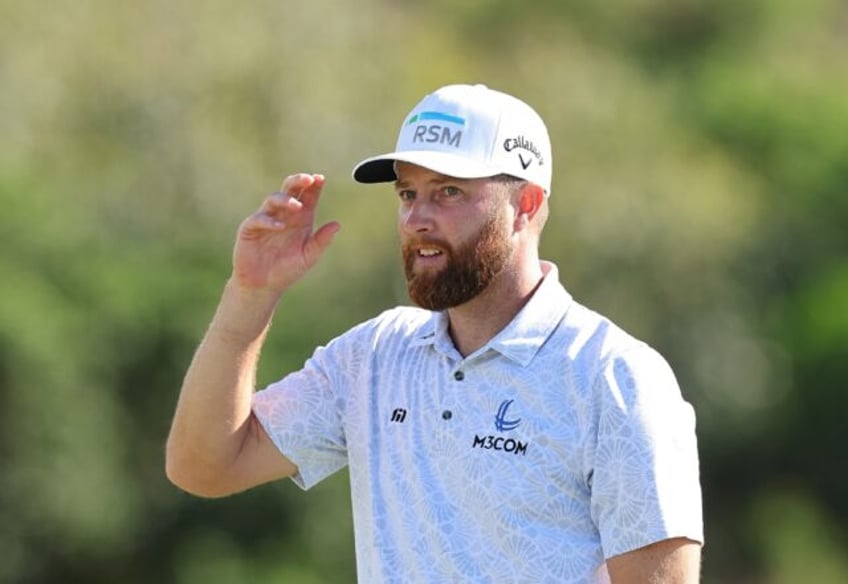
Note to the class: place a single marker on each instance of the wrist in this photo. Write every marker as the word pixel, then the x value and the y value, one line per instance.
pixel 245 313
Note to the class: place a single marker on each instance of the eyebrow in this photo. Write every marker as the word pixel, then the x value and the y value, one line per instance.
pixel 433 181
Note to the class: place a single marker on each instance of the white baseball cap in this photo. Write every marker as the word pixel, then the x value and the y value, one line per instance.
pixel 468 131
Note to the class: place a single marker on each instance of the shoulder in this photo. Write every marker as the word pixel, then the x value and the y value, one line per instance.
pixel 401 320
pixel 594 340
pixel 394 325
pixel 612 359
pixel 378 339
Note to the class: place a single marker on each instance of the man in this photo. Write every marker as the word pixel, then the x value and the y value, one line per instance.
pixel 499 433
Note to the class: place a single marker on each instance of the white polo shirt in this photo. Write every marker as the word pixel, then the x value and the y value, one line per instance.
pixel 561 442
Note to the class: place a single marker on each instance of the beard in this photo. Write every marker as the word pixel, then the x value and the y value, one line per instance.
pixel 470 268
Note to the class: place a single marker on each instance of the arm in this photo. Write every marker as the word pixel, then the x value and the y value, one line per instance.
pixel 671 561
pixel 216 446
pixel 646 495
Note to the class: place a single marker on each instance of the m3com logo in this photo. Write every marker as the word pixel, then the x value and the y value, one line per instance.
pixel 501 423
pixel 502 443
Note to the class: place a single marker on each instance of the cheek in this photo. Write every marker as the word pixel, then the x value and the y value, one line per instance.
pixel 402 215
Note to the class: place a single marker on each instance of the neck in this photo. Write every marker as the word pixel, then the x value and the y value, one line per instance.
pixel 476 322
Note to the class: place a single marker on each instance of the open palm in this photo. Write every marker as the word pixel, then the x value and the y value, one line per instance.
pixel 278 244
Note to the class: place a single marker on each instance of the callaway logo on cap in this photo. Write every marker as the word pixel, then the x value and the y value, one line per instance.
pixel 468 131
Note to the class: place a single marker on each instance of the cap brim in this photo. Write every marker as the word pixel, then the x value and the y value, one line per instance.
pixel 378 169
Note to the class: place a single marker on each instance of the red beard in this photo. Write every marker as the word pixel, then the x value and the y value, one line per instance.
pixel 469 270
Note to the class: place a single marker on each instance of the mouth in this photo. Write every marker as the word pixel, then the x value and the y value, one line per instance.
pixel 425 257
pixel 428 252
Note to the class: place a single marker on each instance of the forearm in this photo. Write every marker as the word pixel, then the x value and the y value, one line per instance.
pixel 671 561
pixel 214 408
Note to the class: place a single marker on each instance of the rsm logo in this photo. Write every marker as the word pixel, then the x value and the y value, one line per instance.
pixel 444 129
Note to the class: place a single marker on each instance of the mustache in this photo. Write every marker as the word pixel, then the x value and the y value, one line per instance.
pixel 425 241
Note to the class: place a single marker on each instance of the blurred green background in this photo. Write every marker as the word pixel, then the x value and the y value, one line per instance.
pixel 701 170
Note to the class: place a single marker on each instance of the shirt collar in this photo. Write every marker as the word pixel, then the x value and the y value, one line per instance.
pixel 522 338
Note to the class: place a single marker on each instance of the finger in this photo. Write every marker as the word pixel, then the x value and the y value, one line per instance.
pixel 294 184
pixel 321 239
pixel 278 201
pixel 310 193
pixel 283 205
pixel 261 222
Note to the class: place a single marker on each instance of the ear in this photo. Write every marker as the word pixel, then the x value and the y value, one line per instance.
pixel 530 200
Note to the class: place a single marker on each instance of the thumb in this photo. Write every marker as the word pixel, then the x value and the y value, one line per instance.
pixel 321 240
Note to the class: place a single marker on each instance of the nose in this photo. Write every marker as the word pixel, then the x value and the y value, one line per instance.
pixel 416 217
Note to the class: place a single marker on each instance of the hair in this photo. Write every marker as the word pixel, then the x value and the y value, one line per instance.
pixel 510 185
pixel 508 179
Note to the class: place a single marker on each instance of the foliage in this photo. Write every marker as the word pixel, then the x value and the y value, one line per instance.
pixel 699 200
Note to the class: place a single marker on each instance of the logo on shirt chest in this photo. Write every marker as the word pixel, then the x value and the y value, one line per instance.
pixel 399 415
pixel 504 422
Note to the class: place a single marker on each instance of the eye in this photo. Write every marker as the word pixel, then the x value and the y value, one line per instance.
pixel 406 195
pixel 451 191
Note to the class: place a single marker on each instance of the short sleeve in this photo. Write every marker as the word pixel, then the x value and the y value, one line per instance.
pixel 645 484
pixel 301 414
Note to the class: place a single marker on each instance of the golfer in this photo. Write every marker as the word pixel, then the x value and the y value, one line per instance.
pixel 498 431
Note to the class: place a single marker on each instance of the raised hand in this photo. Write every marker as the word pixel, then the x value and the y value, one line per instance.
pixel 278 244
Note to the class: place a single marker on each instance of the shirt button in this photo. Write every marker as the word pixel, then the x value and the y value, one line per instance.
pixel 447 415
pixel 459 375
